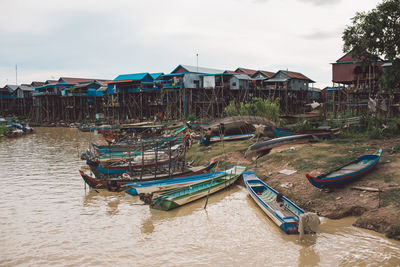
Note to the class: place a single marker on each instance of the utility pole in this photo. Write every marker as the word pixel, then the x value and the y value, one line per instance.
pixel 16 74
pixel 197 57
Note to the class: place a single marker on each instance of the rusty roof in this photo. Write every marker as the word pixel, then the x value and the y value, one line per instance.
pixel 296 75
pixel 37 84
pixel 249 72
pixel 70 80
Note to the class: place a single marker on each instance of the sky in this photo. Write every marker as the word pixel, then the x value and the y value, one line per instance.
pixel 48 39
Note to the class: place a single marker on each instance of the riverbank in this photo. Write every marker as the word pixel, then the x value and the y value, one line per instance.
pixel 376 211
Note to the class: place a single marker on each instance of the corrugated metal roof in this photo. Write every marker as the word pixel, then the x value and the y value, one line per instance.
pixel 241 76
pixel 249 72
pixel 11 88
pixel 156 75
pixel 36 84
pixel 51 81
pixel 70 80
pixel 133 76
pixel 276 80
pixel 199 69
pixel 25 88
pixel 296 75
pixel 267 73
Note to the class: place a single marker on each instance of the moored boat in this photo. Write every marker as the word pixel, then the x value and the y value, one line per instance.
pixel 348 172
pixel 322 133
pixel 168 184
pixel 101 181
pixel 176 198
pixel 283 212
pixel 262 148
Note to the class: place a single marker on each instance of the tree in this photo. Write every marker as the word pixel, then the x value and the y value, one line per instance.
pixel 377 34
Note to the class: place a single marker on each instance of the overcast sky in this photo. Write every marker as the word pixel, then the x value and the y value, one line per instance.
pixel 49 39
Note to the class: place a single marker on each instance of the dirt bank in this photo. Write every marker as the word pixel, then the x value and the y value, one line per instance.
pixel 377 211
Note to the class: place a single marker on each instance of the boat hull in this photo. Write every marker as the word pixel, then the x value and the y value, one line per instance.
pixel 177 198
pixel 339 176
pixel 168 184
pixel 95 182
pixel 287 220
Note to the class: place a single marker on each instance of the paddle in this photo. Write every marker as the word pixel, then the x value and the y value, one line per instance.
pixel 209 188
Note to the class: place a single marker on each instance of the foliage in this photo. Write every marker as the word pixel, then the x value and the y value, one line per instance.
pixel 371 127
pixel 376 34
pixel 231 109
pixel 258 107
pixel 191 117
pixel 2 129
pixel 303 126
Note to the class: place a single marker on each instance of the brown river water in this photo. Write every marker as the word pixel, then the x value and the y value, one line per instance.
pixel 47 217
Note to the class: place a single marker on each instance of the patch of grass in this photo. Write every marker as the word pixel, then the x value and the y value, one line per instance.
pixel 391 196
pixel 387 178
pixel 202 154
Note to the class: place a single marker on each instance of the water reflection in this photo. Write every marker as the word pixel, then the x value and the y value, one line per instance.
pixel 159 216
pixel 308 256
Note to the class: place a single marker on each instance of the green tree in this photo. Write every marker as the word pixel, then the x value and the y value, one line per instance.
pixel 377 34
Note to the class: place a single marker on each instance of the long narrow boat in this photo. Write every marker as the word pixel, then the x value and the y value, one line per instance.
pixel 264 147
pixel 232 137
pixel 348 172
pixel 279 209
pixel 323 133
pixel 176 198
pixel 101 182
pixel 169 184
pixel 138 146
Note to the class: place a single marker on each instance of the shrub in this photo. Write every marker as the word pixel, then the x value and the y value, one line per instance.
pixel 258 107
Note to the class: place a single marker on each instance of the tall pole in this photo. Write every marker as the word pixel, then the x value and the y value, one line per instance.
pixel 16 74
pixel 197 62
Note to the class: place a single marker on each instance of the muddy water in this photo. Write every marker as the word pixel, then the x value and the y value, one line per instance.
pixel 48 218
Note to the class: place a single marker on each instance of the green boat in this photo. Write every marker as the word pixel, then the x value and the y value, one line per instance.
pixel 176 198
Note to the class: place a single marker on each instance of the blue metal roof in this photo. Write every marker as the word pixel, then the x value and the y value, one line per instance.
pixel 156 75
pixel 134 76
pixel 174 74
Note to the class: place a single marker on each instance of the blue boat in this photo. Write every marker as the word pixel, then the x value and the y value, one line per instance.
pixel 348 172
pixel 281 210
pixel 168 184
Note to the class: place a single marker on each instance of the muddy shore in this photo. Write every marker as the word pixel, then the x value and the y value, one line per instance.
pixel 378 211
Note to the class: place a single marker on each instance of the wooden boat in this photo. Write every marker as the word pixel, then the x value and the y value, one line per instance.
pixel 139 163
pixel 347 173
pixel 323 133
pixel 232 137
pixel 237 124
pixel 262 148
pixel 169 184
pixel 101 182
pixel 279 209
pixel 176 198
pixel 131 146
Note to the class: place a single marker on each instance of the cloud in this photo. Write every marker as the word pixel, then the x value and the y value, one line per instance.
pixel 322 2
pixel 322 35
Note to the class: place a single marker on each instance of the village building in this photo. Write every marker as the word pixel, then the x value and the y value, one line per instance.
pixel 133 96
pixel 354 82
pixel 291 88
pixel 7 96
